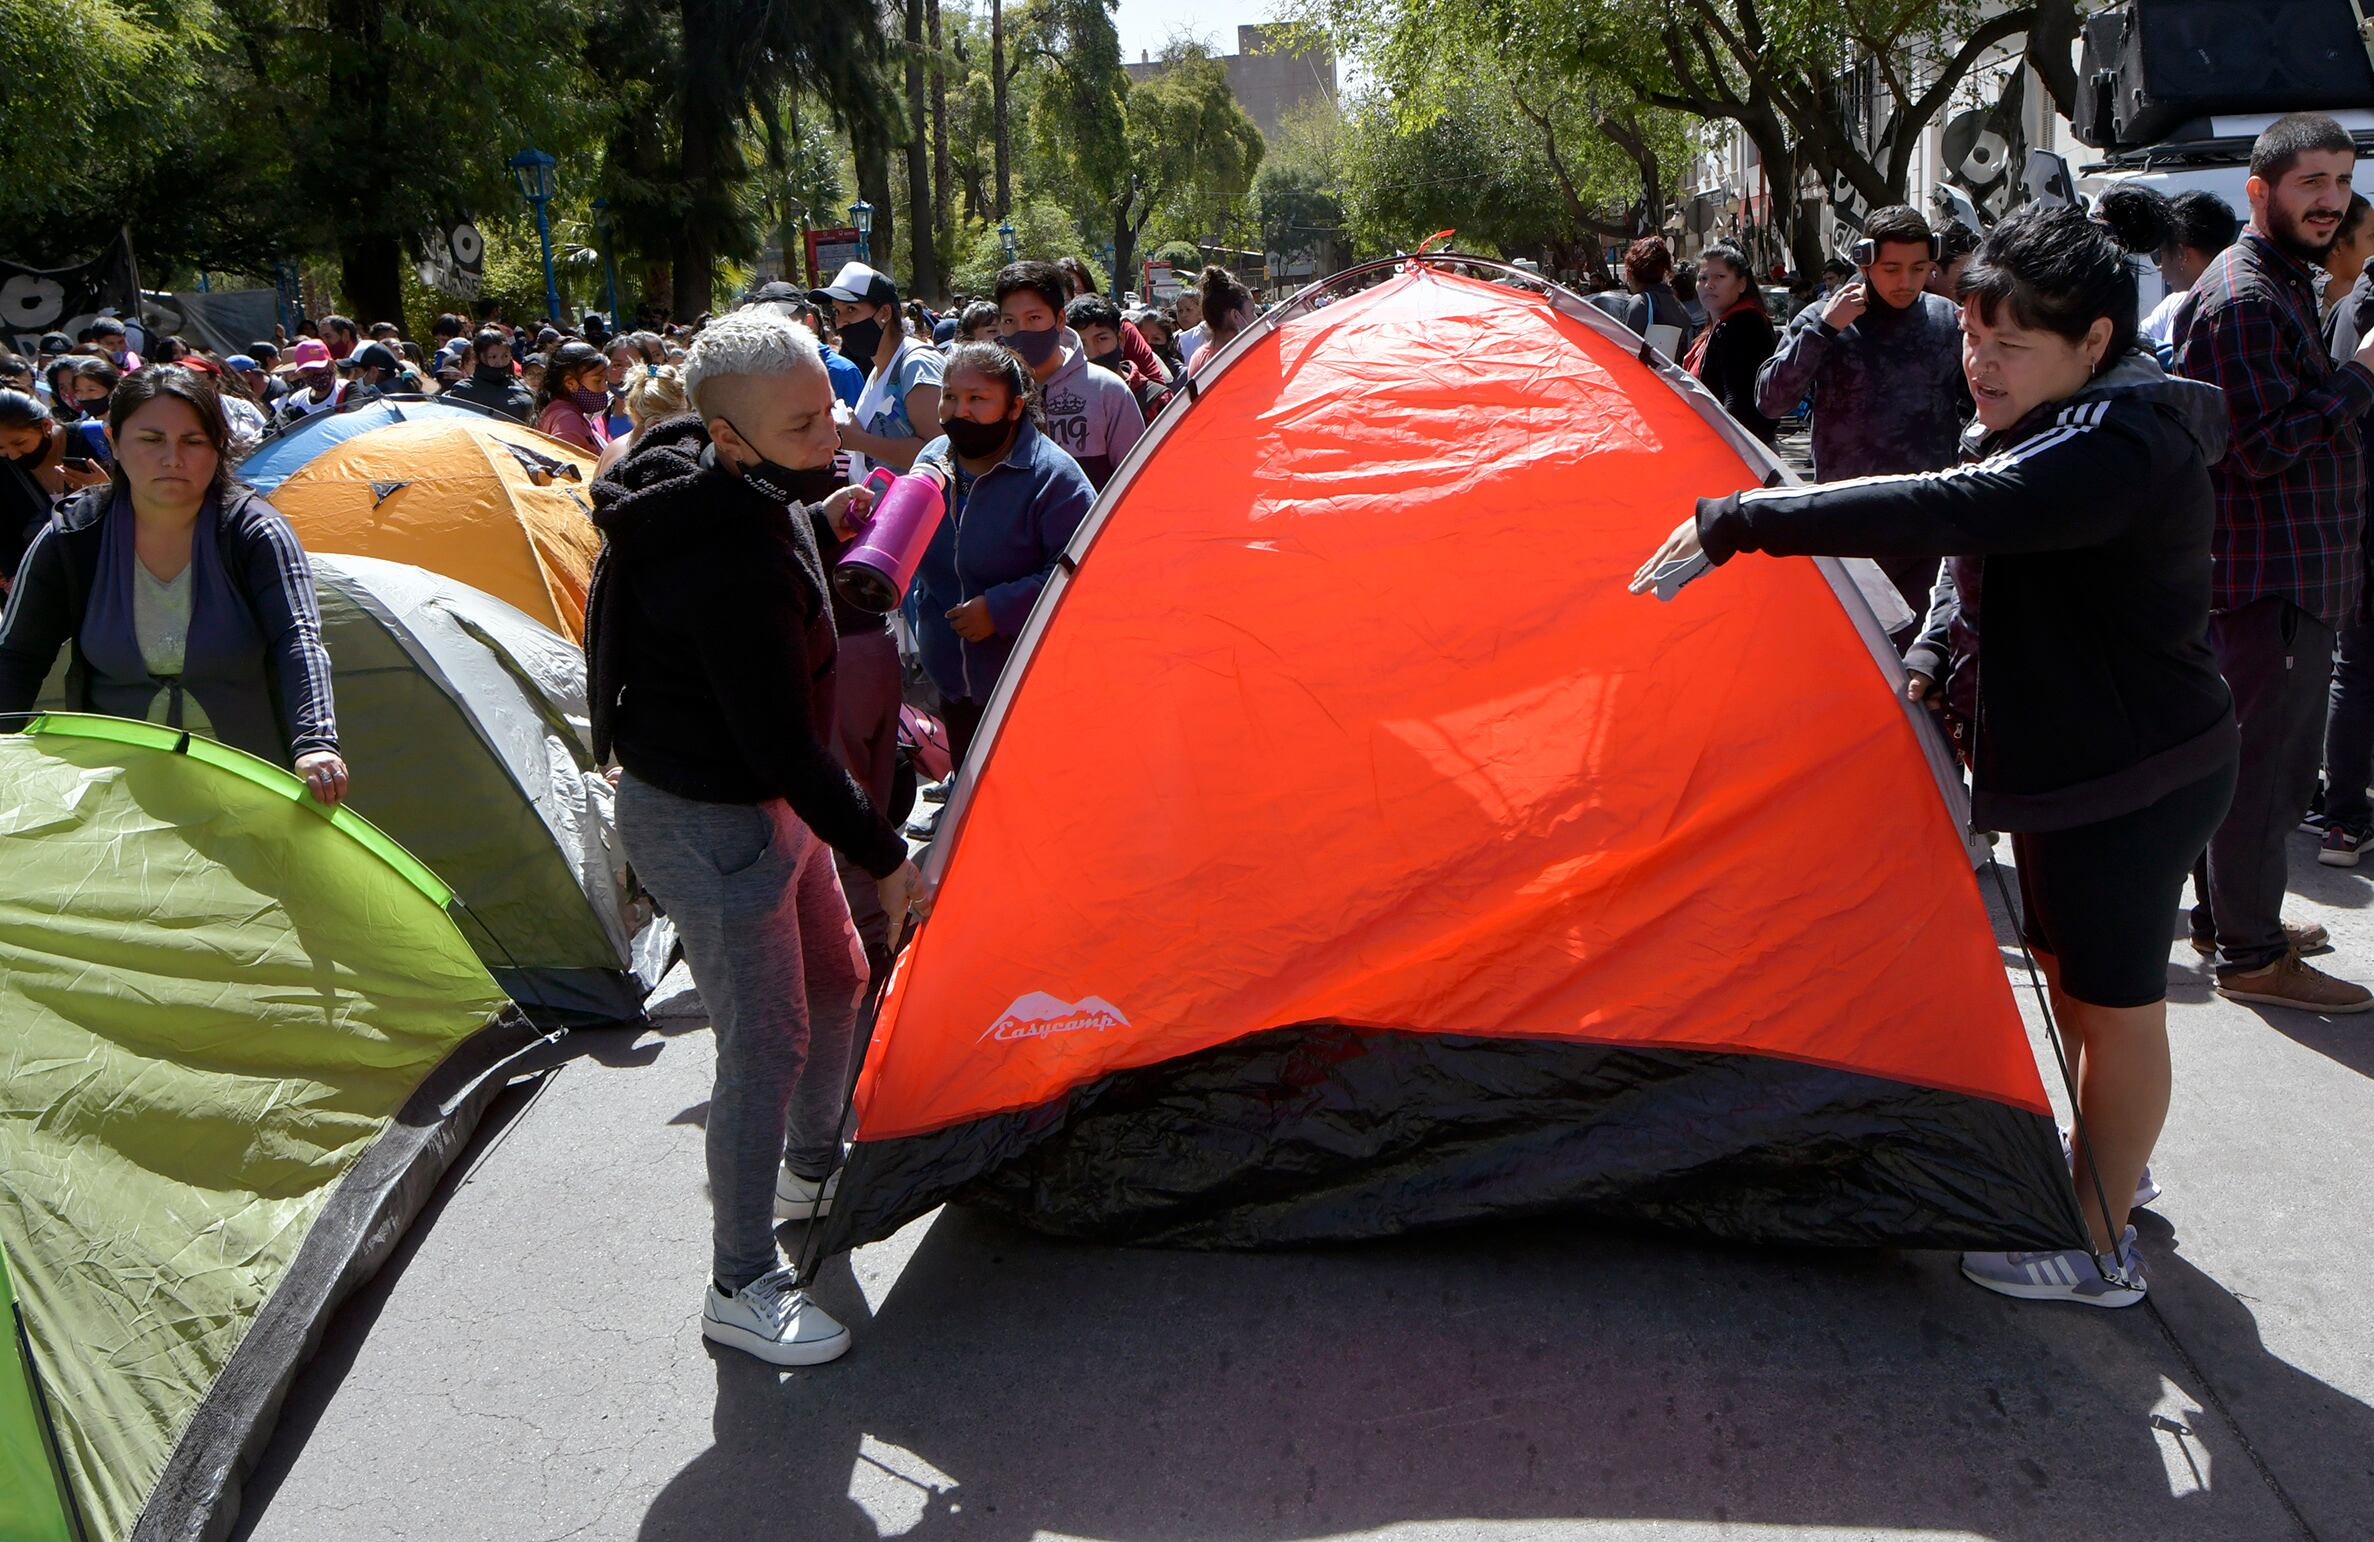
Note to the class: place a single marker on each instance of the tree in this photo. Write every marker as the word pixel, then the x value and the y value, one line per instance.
pixel 1841 87
pixel 941 169
pixel 1004 130
pixel 923 267
pixel 1174 147
pixel 97 93
pixel 1477 164
pixel 696 91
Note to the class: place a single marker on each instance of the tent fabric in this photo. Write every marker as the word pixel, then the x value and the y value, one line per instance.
pixel 292 447
pixel 495 505
pixel 467 727
pixel 1439 876
pixel 239 1041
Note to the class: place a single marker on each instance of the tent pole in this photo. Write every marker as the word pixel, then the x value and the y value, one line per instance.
pixel 2052 1033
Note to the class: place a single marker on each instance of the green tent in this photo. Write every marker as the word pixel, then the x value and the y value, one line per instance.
pixel 465 725
pixel 240 1040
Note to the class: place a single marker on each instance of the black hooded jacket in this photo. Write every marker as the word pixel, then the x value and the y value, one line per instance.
pixel 2096 693
pixel 497 389
pixel 709 644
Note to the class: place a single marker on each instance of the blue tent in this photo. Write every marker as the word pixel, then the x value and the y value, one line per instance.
pixel 284 452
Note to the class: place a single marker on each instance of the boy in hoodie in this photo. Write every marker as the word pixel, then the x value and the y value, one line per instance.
pixel 1091 414
pixel 1882 359
pixel 710 654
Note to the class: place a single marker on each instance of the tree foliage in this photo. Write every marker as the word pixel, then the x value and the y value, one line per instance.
pixel 239 134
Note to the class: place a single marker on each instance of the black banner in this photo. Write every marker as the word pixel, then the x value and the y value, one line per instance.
pixel 35 300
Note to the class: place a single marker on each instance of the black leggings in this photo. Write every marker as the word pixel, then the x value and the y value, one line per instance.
pixel 2099 898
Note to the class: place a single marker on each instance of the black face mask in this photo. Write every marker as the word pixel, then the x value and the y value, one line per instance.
pixel 1111 361
pixel 859 340
pixel 974 439
pixel 789 485
pixel 1036 345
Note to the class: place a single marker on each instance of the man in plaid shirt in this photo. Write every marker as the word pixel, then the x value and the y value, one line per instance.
pixel 2288 549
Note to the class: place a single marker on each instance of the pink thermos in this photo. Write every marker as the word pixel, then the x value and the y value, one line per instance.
pixel 874 574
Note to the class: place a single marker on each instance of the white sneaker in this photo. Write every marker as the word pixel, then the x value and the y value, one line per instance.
pixel 798 1198
pixel 772 1318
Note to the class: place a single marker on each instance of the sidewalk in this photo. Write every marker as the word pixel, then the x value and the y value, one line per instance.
pixel 529 1366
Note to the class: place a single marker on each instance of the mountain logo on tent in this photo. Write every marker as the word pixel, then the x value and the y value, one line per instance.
pixel 1039 1015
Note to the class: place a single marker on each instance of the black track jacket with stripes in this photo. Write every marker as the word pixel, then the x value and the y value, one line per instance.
pixel 2097 691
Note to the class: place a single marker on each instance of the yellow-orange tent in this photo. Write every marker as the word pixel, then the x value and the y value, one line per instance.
pixel 494 505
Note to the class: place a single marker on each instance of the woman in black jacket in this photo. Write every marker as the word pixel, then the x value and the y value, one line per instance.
pixel 2105 740
pixel 184 595
pixel 1738 340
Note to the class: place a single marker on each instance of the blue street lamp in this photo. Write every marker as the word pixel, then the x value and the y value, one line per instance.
pixel 1112 273
pixel 1005 233
pixel 601 209
pixel 531 173
pixel 861 214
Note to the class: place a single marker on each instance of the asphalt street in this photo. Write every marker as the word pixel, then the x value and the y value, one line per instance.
pixel 529 1366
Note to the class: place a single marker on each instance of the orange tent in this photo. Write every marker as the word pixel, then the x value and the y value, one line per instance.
pixel 1346 851
pixel 491 504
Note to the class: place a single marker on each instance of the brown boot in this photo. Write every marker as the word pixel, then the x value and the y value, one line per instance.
pixel 2290 983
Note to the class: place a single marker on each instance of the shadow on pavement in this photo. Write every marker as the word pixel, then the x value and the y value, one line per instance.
pixel 1013 1385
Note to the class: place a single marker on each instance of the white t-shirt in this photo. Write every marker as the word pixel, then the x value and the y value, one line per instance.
pixel 1191 343
pixel 2159 328
pixel 881 408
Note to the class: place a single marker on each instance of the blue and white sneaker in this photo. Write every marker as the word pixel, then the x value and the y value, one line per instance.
pixel 2147 1188
pixel 2070 1274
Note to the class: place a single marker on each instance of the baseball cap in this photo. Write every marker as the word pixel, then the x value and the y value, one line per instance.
pixel 309 353
pixel 858 285
pixel 375 356
pixel 56 342
pixel 242 362
pixel 773 292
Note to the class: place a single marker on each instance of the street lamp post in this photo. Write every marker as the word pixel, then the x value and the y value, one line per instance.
pixel 531 173
pixel 861 214
pixel 795 226
pixel 1005 233
pixel 601 208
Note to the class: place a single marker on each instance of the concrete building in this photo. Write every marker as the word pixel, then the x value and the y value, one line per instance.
pixel 1267 76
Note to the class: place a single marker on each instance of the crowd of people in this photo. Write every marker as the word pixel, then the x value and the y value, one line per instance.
pixel 751 713
pixel 2134 430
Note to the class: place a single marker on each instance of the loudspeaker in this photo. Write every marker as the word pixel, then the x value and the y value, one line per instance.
pixel 2153 64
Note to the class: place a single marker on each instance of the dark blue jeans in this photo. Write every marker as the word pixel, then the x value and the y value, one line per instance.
pixel 2349 729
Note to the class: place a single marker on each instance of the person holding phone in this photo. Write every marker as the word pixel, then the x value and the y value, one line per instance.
pixel 40 461
pixel 1882 360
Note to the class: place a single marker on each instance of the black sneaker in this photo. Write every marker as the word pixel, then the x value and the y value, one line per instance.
pixel 2340 847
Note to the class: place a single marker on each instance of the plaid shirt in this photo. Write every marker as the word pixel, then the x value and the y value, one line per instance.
pixel 2291 492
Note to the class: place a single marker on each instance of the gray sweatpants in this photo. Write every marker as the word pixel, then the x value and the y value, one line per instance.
pixel 753 894
pixel 2278 660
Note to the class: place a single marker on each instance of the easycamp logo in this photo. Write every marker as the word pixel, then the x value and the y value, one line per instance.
pixel 1039 1015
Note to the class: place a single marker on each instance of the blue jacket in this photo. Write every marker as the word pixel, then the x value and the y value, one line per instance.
pixel 1000 542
